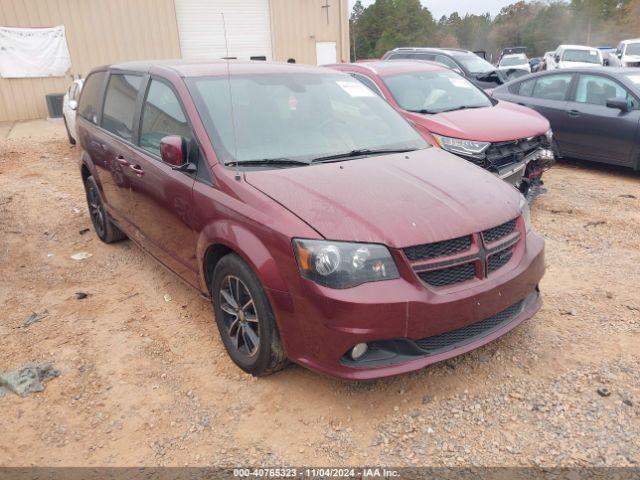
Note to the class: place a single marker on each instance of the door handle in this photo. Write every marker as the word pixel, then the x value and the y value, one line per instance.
pixel 573 113
pixel 122 161
pixel 137 169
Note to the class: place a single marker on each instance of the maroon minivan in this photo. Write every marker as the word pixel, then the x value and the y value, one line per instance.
pixel 324 229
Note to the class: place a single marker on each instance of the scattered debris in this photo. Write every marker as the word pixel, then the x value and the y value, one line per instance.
pixel 167 297
pixel 604 392
pixel 81 256
pixel 27 379
pixel 627 402
pixel 627 195
pixel 81 295
pixel 84 230
pixel 573 312
pixel 35 317
pixel 594 223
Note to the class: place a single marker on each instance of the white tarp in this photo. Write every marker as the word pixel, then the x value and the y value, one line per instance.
pixel 33 52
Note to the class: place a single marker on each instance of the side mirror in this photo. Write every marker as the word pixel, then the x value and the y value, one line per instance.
pixel 619 54
pixel 73 104
pixel 557 58
pixel 620 103
pixel 173 150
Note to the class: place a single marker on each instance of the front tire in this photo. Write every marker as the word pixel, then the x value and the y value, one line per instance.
pixel 106 230
pixel 244 317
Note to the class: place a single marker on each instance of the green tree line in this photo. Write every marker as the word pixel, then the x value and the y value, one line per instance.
pixel 538 25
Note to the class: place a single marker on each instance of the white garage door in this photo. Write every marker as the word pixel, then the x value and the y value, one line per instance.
pixel 202 34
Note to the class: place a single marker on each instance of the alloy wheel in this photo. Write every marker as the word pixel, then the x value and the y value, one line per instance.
pixel 240 317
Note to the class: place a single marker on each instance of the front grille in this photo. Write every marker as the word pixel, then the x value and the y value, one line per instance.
pixel 501 231
pixel 448 276
pixel 501 154
pixel 500 259
pixel 456 338
pixel 438 249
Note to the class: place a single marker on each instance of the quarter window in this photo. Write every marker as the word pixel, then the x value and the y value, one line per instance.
pixel 596 90
pixel 120 103
pixel 552 87
pixel 162 116
pixel 447 62
pixel 90 98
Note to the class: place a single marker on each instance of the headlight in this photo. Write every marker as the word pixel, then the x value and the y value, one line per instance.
pixel 549 136
pixel 344 265
pixel 526 213
pixel 470 148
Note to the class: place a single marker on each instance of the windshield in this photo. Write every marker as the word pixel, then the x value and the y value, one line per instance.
pixel 633 49
pixel 586 56
pixel 435 91
pixel 474 64
pixel 511 61
pixel 296 116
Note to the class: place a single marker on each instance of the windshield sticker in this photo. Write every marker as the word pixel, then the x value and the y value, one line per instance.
pixel 355 89
pixel 460 82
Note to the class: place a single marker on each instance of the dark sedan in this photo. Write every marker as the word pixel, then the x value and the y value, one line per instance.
pixel 594 113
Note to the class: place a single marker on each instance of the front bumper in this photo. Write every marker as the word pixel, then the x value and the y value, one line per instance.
pixel 319 325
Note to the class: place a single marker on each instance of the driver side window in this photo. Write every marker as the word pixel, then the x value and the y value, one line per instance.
pixel 162 115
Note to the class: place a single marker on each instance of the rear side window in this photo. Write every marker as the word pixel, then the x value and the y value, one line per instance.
pixel 162 115
pixel 120 103
pixel 525 89
pixel 91 95
pixel 552 87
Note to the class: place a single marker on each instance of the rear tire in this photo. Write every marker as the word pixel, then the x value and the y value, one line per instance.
pixel 72 140
pixel 244 317
pixel 106 230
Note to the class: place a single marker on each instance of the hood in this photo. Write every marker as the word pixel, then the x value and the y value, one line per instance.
pixel 397 200
pixel 503 122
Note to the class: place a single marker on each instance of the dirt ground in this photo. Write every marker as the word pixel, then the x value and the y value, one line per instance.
pixel 144 378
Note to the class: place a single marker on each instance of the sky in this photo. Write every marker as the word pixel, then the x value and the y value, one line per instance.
pixel 446 7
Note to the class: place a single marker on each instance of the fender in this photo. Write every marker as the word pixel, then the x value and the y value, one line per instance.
pixel 236 237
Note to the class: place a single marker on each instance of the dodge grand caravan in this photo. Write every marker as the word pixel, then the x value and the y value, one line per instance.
pixel 322 227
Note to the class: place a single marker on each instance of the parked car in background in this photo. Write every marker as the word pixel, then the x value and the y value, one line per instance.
pixel 321 225
pixel 536 64
pixel 608 55
pixel 454 114
pixel 69 106
pixel 574 56
pixel 518 61
pixel 594 113
pixel 547 58
pixel 464 62
pixel 512 51
pixel 628 53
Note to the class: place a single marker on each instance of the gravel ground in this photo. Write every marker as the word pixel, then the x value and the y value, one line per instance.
pixel 144 379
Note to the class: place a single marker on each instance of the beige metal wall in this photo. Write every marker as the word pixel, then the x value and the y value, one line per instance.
pixel 98 32
pixel 296 26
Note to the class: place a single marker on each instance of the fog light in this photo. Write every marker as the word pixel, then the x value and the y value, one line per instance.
pixel 359 350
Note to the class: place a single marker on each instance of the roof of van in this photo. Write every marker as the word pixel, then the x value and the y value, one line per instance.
pixel 199 68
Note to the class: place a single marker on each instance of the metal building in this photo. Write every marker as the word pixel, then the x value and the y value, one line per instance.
pixel 106 31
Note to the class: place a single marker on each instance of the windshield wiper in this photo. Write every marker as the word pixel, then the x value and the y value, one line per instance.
pixel 268 161
pixel 364 152
pixel 423 111
pixel 462 107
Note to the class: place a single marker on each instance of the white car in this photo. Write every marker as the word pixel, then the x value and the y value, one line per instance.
pixel 628 53
pixel 575 56
pixel 517 60
pixel 69 106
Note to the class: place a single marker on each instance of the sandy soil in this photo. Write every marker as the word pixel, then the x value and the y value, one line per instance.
pixel 146 381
